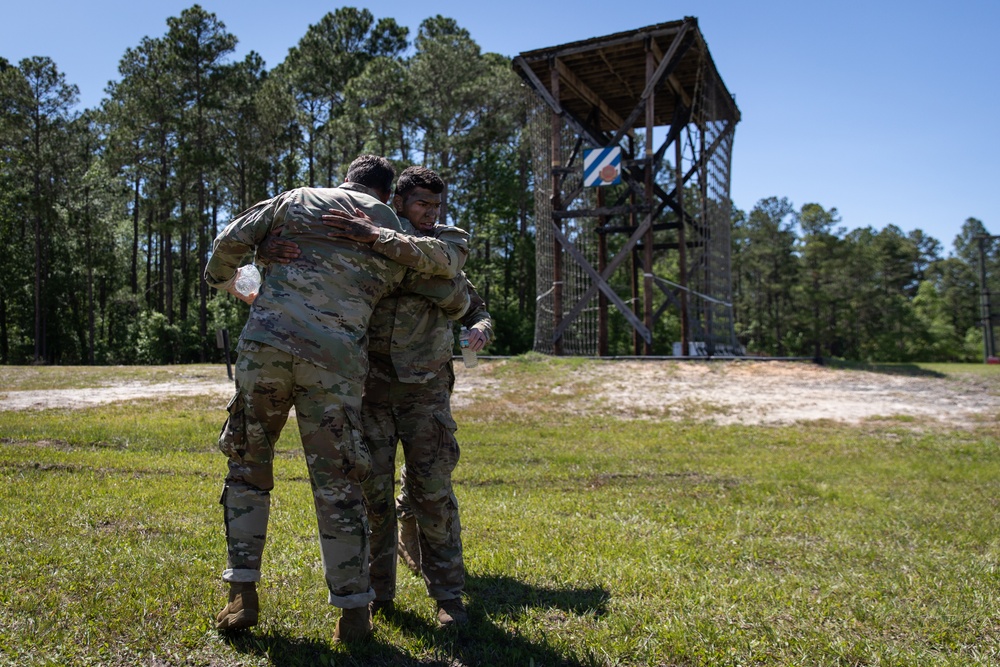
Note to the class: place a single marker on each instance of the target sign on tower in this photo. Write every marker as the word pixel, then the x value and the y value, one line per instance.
pixel 602 166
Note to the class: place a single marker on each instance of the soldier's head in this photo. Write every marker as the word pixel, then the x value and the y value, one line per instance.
pixel 418 197
pixel 373 172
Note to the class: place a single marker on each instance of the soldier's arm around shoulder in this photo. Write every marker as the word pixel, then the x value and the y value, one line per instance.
pixel 451 295
pixel 239 238
pixel 441 254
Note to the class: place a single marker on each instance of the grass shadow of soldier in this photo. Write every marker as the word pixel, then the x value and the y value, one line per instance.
pixel 481 642
pixel 284 651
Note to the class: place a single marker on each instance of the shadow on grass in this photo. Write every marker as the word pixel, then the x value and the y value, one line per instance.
pixel 486 642
pixel 909 370
pixel 284 651
pixel 499 594
pixel 481 642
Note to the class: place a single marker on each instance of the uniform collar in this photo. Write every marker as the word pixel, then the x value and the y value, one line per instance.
pixel 357 187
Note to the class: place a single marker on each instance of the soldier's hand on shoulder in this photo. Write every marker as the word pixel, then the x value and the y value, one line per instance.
pixel 357 226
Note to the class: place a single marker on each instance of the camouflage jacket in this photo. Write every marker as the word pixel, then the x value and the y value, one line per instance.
pixel 441 254
pixel 414 332
pixel 318 306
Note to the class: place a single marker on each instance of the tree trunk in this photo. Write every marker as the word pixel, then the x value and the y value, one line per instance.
pixel 88 235
pixel 168 273
pixel 37 193
pixel 185 243
pixel 149 257
pixel 39 347
pixel 135 236
pixel 4 344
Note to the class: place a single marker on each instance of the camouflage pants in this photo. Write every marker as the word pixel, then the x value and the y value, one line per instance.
pixel 418 416
pixel 269 382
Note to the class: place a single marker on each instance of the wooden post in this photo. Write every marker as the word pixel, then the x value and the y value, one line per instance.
pixel 634 265
pixel 647 259
pixel 602 263
pixel 557 278
pixel 706 240
pixel 681 244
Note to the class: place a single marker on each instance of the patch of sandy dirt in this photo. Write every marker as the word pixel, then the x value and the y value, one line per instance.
pixel 764 392
pixel 745 392
pixel 128 391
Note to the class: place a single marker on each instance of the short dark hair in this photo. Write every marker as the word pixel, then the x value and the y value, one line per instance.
pixel 372 171
pixel 418 177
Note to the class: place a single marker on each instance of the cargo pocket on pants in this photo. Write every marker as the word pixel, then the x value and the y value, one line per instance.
pixel 233 437
pixel 357 456
pixel 448 450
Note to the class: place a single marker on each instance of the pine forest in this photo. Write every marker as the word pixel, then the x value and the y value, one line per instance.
pixel 107 215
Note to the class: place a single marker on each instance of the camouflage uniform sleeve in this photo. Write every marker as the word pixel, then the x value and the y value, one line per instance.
pixel 451 295
pixel 239 238
pixel 442 254
pixel 477 316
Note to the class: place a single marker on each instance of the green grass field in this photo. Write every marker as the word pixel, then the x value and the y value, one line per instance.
pixel 588 541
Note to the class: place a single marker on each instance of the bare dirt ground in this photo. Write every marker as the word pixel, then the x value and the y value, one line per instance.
pixel 766 392
pixel 745 392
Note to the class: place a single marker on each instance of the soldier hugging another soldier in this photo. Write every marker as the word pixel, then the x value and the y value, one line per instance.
pixel 344 266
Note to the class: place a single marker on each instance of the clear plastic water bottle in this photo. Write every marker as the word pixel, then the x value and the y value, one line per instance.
pixel 247 280
pixel 468 356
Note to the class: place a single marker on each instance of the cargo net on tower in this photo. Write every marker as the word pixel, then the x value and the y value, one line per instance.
pixel 673 282
pixel 707 155
pixel 580 339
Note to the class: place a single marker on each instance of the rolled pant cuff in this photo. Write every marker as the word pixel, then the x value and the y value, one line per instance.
pixel 240 576
pixel 352 601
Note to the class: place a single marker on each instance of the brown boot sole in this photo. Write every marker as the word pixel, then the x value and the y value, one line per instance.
pixel 350 636
pixel 240 620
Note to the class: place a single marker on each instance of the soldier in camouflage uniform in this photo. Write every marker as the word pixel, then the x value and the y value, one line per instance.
pixel 303 346
pixel 407 399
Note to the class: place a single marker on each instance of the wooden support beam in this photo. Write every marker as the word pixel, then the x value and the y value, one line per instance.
pixel 600 282
pixel 672 79
pixel 525 69
pixel 602 262
pixel 682 42
pixel 682 250
pixel 574 82
pixel 593 212
pixel 647 255
pixel 658 227
pixel 587 47
pixel 615 73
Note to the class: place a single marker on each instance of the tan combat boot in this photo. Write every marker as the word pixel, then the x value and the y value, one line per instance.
pixel 451 613
pixel 409 544
pixel 354 625
pixel 243 609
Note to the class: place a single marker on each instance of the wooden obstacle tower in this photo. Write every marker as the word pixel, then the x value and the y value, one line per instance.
pixel 632 137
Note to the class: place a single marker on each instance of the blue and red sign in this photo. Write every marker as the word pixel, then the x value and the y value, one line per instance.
pixel 602 166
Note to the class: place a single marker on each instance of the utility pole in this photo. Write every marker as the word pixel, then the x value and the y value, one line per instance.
pixel 985 309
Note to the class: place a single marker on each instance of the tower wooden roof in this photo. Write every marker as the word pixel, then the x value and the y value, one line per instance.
pixel 610 73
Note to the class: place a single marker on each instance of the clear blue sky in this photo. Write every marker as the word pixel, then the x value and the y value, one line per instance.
pixel 886 110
